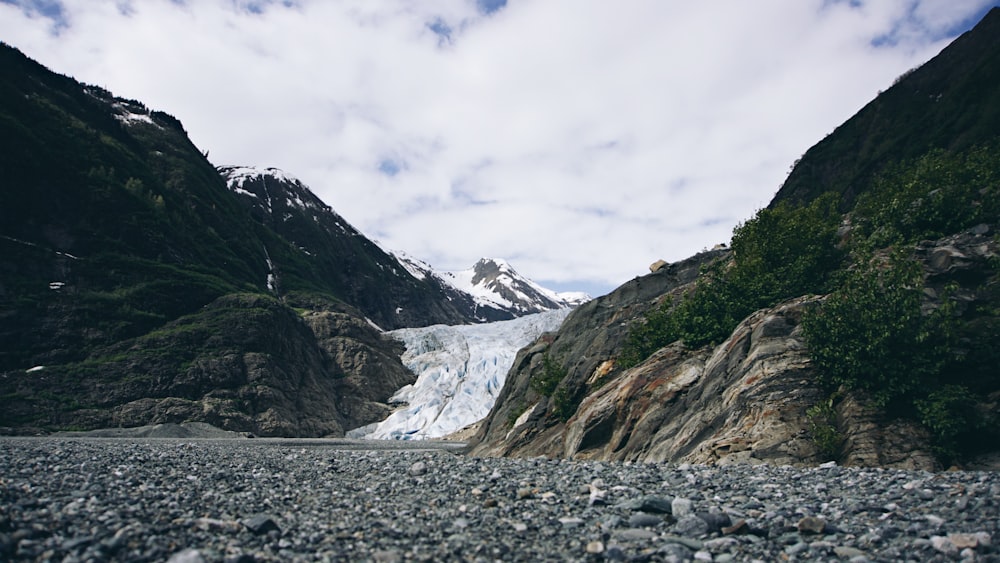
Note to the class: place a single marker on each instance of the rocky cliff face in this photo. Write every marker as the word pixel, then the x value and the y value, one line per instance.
pixel 270 371
pixel 745 400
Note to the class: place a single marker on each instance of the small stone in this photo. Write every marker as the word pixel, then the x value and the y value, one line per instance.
pixel 571 521
pixel 417 469
pixel 615 553
pixel 490 503
pixel 187 556
pixel 935 521
pixel 519 527
pixel 738 527
pixel 387 556
pixel 944 545
pixel 610 521
pixel 595 547
pixel 674 552
pixel 643 520
pixel 847 552
pixel 596 495
pixel 656 505
pixel 524 493
pixel 690 543
pixel 680 507
pixel 702 556
pixel 797 548
pixel 811 525
pixel 720 544
pixel 691 526
pixel 962 541
pixel 214 524
pixel 635 534
pixel 261 524
pixel 715 520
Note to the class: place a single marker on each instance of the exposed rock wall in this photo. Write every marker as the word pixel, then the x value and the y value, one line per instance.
pixel 248 364
pixel 745 400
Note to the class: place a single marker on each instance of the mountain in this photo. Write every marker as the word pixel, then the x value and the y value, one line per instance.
pixel 855 319
pixel 498 292
pixel 394 289
pixel 948 103
pixel 140 285
pixel 460 370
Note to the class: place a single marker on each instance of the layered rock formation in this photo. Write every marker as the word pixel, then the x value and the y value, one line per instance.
pixel 745 400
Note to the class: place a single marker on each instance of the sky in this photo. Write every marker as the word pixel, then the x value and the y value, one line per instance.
pixel 580 140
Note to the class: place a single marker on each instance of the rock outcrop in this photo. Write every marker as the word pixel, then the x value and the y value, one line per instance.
pixel 270 372
pixel 745 400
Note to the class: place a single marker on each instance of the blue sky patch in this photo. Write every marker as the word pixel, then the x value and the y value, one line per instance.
pixel 389 167
pixel 441 29
pixel 490 6
pixel 52 9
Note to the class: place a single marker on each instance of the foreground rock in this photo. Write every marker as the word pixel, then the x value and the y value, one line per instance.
pixel 260 500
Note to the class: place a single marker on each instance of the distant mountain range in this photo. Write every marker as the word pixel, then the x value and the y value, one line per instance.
pixel 141 284
pixel 492 290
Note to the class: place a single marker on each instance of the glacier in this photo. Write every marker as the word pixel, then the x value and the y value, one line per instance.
pixel 460 371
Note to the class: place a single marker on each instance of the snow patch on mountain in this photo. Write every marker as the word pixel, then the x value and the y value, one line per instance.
pixel 493 283
pixel 236 176
pixel 460 371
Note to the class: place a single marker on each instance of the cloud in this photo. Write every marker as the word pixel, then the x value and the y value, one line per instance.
pixel 579 139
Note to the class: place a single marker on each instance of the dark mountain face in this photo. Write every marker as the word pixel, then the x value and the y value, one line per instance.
pixel 327 254
pixel 139 285
pixel 949 103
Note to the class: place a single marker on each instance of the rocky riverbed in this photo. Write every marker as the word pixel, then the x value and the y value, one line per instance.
pixel 76 499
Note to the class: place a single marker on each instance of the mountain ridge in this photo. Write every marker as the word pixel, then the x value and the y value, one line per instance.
pixel 138 286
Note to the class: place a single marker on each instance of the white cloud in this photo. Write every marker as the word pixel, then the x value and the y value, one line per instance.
pixel 580 139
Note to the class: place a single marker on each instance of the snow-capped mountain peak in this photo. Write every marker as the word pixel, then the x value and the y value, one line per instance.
pixel 493 283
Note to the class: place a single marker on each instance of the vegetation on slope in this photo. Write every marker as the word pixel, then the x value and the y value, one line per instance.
pixel 876 332
pixel 920 162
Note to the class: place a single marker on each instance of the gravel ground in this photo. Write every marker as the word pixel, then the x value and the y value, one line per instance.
pixel 74 499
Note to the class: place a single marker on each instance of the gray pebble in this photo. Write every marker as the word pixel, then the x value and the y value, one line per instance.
pixel 259 500
pixel 691 526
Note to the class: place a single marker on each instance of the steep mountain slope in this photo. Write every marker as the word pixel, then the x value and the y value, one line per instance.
pixel 951 103
pixel 333 256
pixel 854 319
pixel 138 286
pixel 393 289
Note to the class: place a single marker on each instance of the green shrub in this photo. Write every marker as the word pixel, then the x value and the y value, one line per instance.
pixel 552 373
pixel 565 402
pixel 782 252
pixel 823 428
pixel 951 415
pixel 936 195
pixel 871 334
